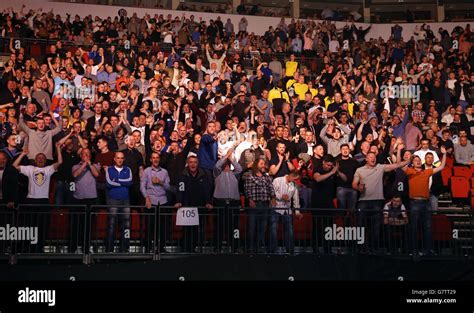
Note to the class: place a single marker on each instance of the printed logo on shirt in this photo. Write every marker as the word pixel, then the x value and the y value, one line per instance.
pixel 39 178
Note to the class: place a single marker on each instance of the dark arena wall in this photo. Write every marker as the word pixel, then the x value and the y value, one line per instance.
pixel 248 268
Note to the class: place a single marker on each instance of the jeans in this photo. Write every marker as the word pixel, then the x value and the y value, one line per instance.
pixel 63 194
pixel 433 203
pixel 101 194
pixel 35 216
pixel 369 215
pixel 321 220
pixel 420 215
pixel 80 222
pixel 305 196
pixel 258 217
pixel 346 198
pixel 124 220
pixel 150 239
pixel 395 237
pixel 195 235
pixel 288 234
pixel 6 217
pixel 228 213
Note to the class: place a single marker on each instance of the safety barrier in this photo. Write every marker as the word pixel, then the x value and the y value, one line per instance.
pixel 81 232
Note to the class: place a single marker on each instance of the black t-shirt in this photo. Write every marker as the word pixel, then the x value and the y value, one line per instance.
pixel 272 144
pixel 448 144
pixel 65 169
pixel 333 107
pixel 133 159
pixel 316 162
pixel 283 170
pixel 348 167
pixel 325 191
pixel 239 109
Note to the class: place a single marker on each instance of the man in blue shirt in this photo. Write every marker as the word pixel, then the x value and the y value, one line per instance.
pixel 207 153
pixel 119 180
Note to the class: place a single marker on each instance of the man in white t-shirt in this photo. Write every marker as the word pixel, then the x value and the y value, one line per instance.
pixel 90 63
pixel 39 177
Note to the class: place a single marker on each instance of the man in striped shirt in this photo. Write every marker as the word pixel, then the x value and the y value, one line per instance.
pixel 287 197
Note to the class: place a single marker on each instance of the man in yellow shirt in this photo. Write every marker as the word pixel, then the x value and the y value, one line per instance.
pixel 300 87
pixel 291 66
pixel 277 92
pixel 292 81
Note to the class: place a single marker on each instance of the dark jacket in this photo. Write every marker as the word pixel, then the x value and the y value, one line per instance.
pixel 436 184
pixel 457 90
pixel 194 191
pixel 10 185
pixel 90 123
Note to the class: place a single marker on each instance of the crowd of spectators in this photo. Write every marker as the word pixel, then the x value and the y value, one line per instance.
pixel 171 111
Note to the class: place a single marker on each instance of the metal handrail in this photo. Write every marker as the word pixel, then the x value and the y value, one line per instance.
pixel 463 223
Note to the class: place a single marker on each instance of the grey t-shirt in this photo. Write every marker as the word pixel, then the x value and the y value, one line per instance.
pixel 372 177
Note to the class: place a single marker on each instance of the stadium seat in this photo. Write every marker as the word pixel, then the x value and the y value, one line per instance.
pixel 242 201
pixel 441 228
pixel 339 221
pixel 210 221
pixel 35 51
pixel 59 224
pixel 450 161
pixel 302 228
pixel 472 199
pixel 459 187
pixel 242 225
pixel 446 174
pixel 135 225
pixel 177 230
pixel 462 171
pixel 99 225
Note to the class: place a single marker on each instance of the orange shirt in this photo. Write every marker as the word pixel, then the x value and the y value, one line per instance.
pixel 120 80
pixel 418 182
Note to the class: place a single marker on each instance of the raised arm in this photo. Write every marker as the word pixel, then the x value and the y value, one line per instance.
pixel 53 72
pixel 443 161
pixel 323 134
pixel 63 140
pixel 60 157
pixel 23 126
pixel 391 167
pixel 59 127
pixel 17 162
